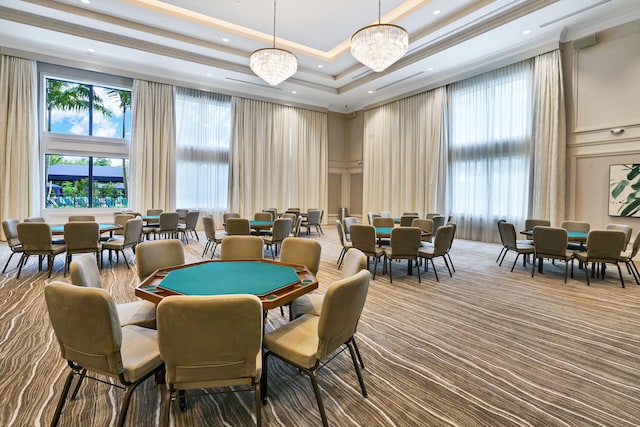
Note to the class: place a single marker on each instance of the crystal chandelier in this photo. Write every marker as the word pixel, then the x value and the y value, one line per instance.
pixel 378 46
pixel 273 65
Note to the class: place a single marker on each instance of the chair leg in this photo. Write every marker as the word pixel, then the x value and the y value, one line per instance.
pixel 514 262
pixel 7 264
pixel 620 273
pixel 504 254
pixel 447 264
pixel 357 367
pixel 390 268
pixel 63 398
pixel 586 272
pixel 375 268
pixel 258 403
pixel 124 256
pixel 533 265
pixel 23 260
pixel 127 397
pixel 263 379
pixel 83 374
pixel 434 270
pixel 166 412
pixel 450 261
pixel 417 268
pixel 50 260
pixel 500 254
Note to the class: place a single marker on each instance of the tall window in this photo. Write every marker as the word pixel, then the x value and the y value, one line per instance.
pixel 203 143
pixel 87 128
pixel 489 149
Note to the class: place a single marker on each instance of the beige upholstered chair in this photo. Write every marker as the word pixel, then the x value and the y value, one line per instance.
pixel 603 247
pixel 405 243
pixel 121 220
pixel 508 235
pixel 295 231
pixel 241 247
pixel 36 240
pixel 81 237
pixel 363 237
pixel 227 216
pixel 273 212
pixel 413 214
pixel 371 216
pixel 550 243
pixel 154 212
pixel 86 324
pixel 343 242
pixel 34 219
pixel 132 230
pixel 432 215
pixel 407 220
pixel 156 254
pixel 182 215
pixel 386 214
pixel 529 223
pixel 348 222
pixel 313 220
pixel 307 340
pixel 10 228
pixel 74 218
pixel 579 226
pixel 263 216
pixel 438 221
pixel 628 256
pixel 213 355
pixel 626 229
pixel 238 227
pixel 280 231
pixel 297 250
pixel 504 248
pixel 354 261
pixel 213 238
pixel 84 272
pixel 383 222
pixel 441 244
pixel 168 227
pixel 189 226
pixel 425 226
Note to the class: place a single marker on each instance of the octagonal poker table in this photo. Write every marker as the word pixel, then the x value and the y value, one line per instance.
pixel 274 282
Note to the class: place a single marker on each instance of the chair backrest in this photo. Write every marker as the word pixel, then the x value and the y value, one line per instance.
pixel 405 241
pixel 354 261
pixel 87 326
pixel 132 230
pixel 432 215
pixel 154 212
pixel 438 221
pixel 371 216
pixel 10 228
pixel 500 230
pixel 263 216
pixel 154 254
pixel 209 225
pixel 121 219
pixel 74 218
pixel 507 234
pixel 407 220
pixel 34 219
pixel 295 232
pixel 363 237
pixel 626 229
pixel 579 226
pixel 192 219
pixel 348 222
pixel 169 221
pixel 238 226
pixel 210 356
pixel 383 222
pixel 530 223
pixel 341 310
pixel 453 233
pixel 273 212
pixel 84 271
pixel 549 241
pixel 414 214
pixel 442 240
pixel 636 245
pixel 605 245
pixel 341 234
pixel 385 214
pixel 298 250
pixel 82 235
pixel 295 210
pixel 313 216
pixel 292 216
pixel 281 229
pixel 34 236
pixel 426 225
pixel 241 247
pixel 182 214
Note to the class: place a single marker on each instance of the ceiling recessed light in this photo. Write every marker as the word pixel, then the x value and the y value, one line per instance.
pixel 436 12
pixel 226 40
pixel 430 69
pixel 293 91
pixel 85 1
pixel 525 32
pixel 320 66
pixel 90 50
pixel 370 91
pixel 208 74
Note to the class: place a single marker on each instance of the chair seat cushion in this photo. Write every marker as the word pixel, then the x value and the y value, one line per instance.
pixel 141 313
pixel 296 341
pixel 307 304
pixel 525 248
pixel 139 351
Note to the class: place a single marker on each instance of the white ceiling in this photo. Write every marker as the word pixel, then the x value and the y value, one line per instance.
pixel 207 44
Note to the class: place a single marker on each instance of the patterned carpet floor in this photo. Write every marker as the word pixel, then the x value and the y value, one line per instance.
pixel 485 347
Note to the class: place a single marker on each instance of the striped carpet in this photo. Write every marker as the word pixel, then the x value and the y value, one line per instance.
pixel 484 348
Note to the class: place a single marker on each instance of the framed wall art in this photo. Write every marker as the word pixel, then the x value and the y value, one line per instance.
pixel 624 190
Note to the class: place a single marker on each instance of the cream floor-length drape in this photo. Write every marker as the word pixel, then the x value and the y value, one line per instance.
pixel 404 165
pixel 279 157
pixel 153 147
pixel 19 171
pixel 549 140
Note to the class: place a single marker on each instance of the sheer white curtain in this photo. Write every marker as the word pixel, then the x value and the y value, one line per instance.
pixel 19 166
pixel 153 146
pixel 279 157
pixel 404 167
pixel 203 145
pixel 489 150
pixel 549 140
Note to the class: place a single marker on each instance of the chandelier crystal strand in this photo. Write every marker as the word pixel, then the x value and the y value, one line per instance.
pixel 378 46
pixel 271 64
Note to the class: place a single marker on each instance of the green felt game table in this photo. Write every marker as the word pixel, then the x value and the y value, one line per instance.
pixel 274 282
pixel 59 229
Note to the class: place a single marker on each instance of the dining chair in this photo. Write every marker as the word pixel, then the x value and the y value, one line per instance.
pixel 155 254
pixel 307 341
pixel 238 226
pixel 35 238
pixel 405 243
pixel 82 237
pixel 263 216
pixel 121 220
pixel 295 231
pixel 426 226
pixel 10 228
pixel 34 219
pixel 603 247
pixel 441 244
pixel 83 271
pixel 413 214
pixel 343 242
pixel 182 215
pixel 520 247
pixel 241 247
pixel 371 216
pixel 227 216
pixel 213 238
pixel 530 223
pixel 432 215
pixel 312 220
pixel 280 231
pixel 348 222
pixel 627 257
pixel 87 327
pixel 274 213
pixel 168 226
pixel 129 240
pixel 504 248
pixel 407 220
pixel 626 229
pixel 438 221
pixel 189 226
pixel 363 237
pixel 579 226
pixel 75 218
pixel 153 212
pixel 550 243
pixel 210 354
pixel 386 214
pixel 386 222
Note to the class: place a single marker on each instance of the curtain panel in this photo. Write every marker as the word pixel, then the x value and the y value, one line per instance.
pixel 404 155
pixel 19 166
pixel 549 140
pixel 153 146
pixel 279 157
